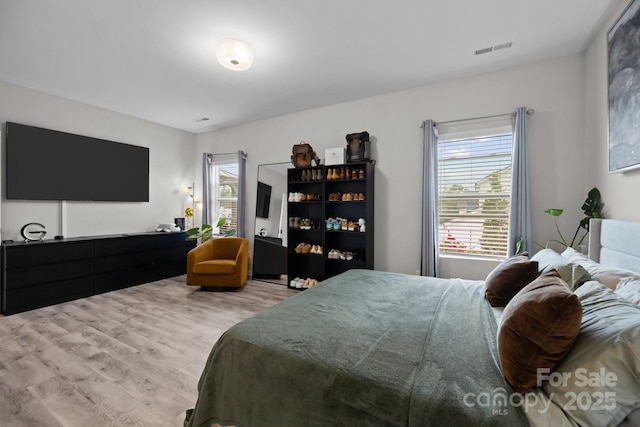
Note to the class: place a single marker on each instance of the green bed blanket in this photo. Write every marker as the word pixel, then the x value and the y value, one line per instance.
pixel 364 348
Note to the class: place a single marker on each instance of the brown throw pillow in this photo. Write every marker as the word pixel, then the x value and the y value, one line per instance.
pixel 537 330
pixel 506 280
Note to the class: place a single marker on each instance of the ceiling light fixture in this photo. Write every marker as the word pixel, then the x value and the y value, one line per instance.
pixel 234 54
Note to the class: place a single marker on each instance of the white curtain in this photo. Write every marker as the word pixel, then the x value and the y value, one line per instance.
pixel 429 251
pixel 207 215
pixel 242 179
pixel 520 209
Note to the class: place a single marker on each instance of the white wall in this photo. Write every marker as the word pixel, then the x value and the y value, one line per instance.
pixel 555 89
pixel 619 191
pixel 171 167
pixel 557 134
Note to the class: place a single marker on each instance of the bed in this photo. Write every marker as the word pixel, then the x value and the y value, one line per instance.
pixel 371 348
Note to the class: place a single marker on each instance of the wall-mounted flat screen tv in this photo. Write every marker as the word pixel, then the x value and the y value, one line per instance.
pixel 44 164
pixel 264 200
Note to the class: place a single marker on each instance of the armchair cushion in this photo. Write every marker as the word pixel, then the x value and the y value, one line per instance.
pixel 218 266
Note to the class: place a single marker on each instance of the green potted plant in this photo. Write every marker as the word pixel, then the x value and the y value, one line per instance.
pixel 205 232
pixel 592 208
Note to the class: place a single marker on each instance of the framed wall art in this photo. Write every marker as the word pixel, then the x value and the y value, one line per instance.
pixel 623 56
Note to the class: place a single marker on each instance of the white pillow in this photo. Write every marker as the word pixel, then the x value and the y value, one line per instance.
pixel 573 256
pixel 629 289
pixel 571 272
pixel 605 275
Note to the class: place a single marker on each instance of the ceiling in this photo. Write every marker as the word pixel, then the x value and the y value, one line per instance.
pixel 155 59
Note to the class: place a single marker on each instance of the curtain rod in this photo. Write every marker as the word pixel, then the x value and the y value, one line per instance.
pixel 530 111
pixel 235 153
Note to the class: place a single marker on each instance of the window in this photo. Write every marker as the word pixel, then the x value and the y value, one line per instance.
pixel 474 186
pixel 224 193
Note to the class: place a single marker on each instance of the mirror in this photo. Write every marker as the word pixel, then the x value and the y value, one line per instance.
pixel 270 231
pixel 271 201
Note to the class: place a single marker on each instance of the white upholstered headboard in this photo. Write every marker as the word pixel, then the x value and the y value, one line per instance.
pixel 615 243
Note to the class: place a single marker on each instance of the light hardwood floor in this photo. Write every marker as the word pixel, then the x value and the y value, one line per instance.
pixel 129 357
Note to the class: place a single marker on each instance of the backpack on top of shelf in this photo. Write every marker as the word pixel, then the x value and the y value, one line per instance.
pixel 302 154
pixel 358 147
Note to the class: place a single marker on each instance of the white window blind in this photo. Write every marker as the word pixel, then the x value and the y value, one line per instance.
pixel 225 195
pixel 474 185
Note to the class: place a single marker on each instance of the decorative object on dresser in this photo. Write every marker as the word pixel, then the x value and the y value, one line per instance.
pixel 30 232
pixel 327 215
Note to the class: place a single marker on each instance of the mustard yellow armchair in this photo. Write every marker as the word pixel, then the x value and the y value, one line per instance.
pixel 222 262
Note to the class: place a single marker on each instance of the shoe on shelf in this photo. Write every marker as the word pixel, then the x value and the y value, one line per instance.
pixel 306 248
pixel 309 283
pixel 298 249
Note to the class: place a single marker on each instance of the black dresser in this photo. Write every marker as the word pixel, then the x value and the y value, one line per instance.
pixel 38 274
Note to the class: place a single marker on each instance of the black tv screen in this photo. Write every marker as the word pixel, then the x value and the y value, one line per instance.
pixel 264 200
pixel 43 164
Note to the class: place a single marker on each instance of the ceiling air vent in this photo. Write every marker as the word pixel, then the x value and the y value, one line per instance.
pixel 502 46
pixel 485 50
pixel 493 48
